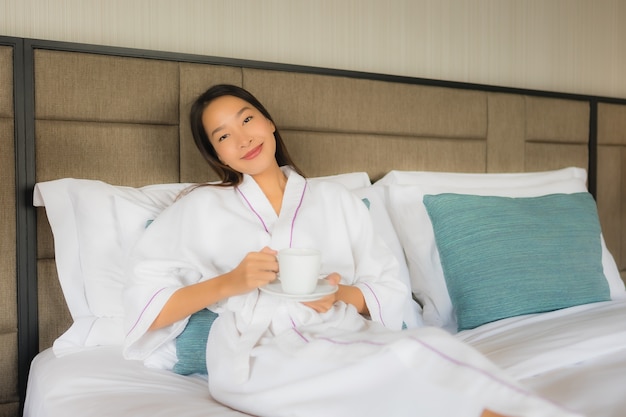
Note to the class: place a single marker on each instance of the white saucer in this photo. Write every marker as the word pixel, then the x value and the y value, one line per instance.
pixel 323 289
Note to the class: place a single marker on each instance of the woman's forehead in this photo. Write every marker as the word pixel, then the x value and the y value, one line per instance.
pixel 222 110
pixel 226 104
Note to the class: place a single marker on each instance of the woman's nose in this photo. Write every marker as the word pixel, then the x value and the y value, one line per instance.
pixel 245 140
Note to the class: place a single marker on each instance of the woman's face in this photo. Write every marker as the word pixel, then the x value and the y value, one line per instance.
pixel 241 135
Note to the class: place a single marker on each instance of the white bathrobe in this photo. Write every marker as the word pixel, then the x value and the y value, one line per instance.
pixel 273 356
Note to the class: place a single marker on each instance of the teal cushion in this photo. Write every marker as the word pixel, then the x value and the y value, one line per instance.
pixel 503 257
pixel 191 343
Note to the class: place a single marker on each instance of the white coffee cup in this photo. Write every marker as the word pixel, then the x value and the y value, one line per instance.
pixel 298 270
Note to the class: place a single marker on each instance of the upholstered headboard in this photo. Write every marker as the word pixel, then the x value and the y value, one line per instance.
pixel 120 116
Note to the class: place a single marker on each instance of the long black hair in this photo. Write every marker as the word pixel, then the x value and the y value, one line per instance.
pixel 227 175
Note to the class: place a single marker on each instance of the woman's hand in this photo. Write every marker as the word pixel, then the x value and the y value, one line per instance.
pixel 324 304
pixel 255 270
pixel 347 293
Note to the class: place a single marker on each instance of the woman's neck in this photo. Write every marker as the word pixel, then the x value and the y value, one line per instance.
pixel 273 183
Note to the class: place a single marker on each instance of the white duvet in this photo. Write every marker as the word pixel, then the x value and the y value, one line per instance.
pixel 575 356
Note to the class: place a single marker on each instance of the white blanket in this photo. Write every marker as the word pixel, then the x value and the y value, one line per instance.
pixel 315 370
pixel 574 356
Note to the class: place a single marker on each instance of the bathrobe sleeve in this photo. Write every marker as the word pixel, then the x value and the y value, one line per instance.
pixel 165 259
pixel 385 294
pixel 375 268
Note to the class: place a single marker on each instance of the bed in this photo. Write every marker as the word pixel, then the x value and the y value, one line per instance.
pixel 102 146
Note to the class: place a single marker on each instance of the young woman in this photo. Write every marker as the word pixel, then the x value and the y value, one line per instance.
pixel 273 355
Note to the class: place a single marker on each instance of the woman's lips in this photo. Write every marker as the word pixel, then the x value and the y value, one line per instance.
pixel 253 153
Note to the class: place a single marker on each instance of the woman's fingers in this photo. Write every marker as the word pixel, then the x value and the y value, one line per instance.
pixel 259 268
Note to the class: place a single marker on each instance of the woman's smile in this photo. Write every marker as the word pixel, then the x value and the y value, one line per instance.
pixel 253 153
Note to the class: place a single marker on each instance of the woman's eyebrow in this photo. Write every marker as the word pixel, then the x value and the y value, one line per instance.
pixel 239 113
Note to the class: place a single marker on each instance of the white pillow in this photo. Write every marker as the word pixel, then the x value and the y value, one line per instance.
pixel 94 226
pixel 480 180
pixel 351 180
pixel 405 192
pixel 384 228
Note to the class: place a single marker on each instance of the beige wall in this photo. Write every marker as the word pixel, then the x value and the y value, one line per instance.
pixel 562 45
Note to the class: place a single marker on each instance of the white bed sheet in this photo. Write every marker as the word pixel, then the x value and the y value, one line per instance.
pixel 100 382
pixel 575 357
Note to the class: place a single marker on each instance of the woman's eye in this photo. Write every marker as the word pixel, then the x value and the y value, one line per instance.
pixel 247 119
pixel 221 138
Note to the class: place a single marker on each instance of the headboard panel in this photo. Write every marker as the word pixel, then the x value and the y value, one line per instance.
pixel 339 104
pixel 611 195
pixel 101 88
pixel 373 126
pixel 557 133
pixel 121 116
pixel 9 399
pixel 93 111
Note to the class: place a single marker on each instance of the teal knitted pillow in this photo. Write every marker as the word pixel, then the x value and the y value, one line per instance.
pixel 503 257
pixel 191 343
